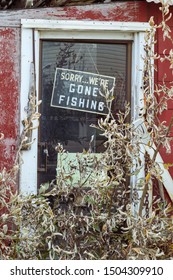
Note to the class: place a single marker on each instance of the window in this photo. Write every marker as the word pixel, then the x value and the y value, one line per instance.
pixel 98 49
pixel 71 126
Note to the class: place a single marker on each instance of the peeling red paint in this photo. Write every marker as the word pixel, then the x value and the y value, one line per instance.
pixel 163 68
pixel 9 94
pixel 119 11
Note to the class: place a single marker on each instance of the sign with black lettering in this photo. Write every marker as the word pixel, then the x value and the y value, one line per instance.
pixel 81 91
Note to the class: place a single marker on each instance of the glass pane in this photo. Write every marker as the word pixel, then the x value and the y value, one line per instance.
pixel 69 127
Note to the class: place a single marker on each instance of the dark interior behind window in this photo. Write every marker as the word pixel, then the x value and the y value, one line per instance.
pixel 71 127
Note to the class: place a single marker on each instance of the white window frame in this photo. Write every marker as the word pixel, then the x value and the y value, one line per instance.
pixel 32 31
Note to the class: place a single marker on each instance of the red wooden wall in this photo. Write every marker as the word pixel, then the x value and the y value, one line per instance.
pixel 10 58
pixel 164 46
pixel 9 93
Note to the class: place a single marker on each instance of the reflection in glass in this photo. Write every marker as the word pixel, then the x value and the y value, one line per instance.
pixel 72 128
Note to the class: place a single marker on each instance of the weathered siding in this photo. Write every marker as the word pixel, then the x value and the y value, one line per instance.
pixel 9 93
pixel 118 11
pixel 163 46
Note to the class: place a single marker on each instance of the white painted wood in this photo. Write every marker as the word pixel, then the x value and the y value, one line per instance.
pixel 28 171
pixel 137 103
pixel 41 24
pixel 75 34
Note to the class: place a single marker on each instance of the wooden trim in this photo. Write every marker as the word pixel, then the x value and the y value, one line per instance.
pixel 41 24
